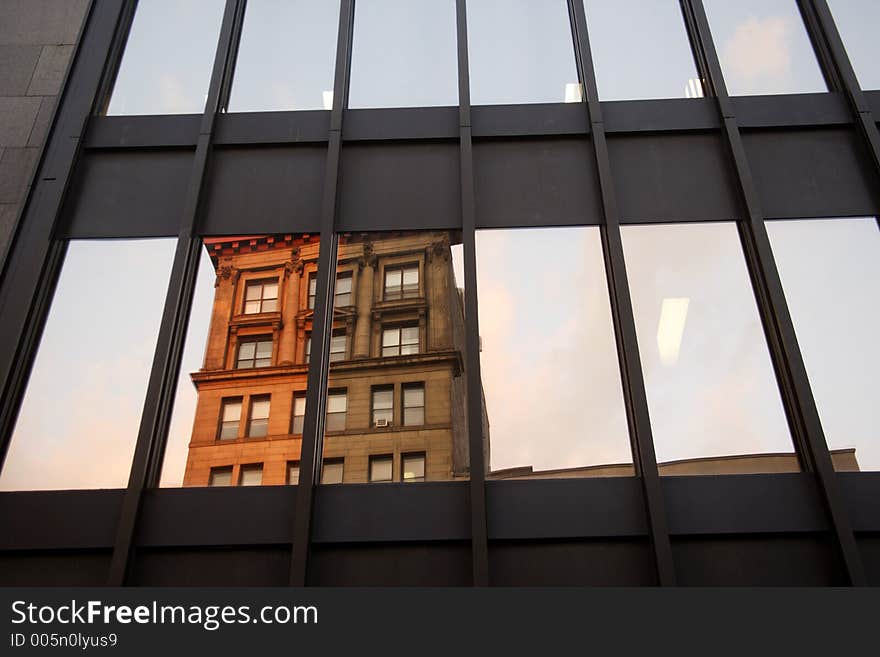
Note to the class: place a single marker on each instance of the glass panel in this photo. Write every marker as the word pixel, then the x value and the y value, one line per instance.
pixel 641 50
pixel 763 47
pixel 413 466
pixel 81 411
pixel 521 51
pixel 331 471
pixel 251 475
pixel 228 268
pixel 365 390
pixel 712 393
pixel 858 22
pixel 404 54
pixel 313 290
pixel 299 412
pixel 830 270
pixel 169 54
pixel 549 358
pixel 286 56
pixel 221 477
pixel 381 468
pixel 337 348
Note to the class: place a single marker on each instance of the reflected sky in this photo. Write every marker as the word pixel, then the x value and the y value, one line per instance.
pixel 548 361
pixel 166 68
pixel 830 271
pixel 286 56
pixel 79 420
pixel 858 22
pixel 640 50
pixel 763 47
pixel 404 54
pixel 708 375
pixel 520 51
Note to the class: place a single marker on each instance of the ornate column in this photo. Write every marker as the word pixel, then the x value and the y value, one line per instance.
pixel 293 270
pixel 438 290
pixel 222 312
pixel 364 302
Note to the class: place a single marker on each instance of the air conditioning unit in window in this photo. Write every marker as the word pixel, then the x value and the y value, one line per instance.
pixel 383 422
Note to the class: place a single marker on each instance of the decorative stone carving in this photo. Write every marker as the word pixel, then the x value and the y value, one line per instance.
pixel 225 273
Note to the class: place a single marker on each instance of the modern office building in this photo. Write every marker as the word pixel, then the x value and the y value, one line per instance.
pixel 534 292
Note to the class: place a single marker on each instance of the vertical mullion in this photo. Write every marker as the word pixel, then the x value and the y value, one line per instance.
pixel 156 415
pixel 622 312
pixel 322 323
pixel 782 342
pixel 474 396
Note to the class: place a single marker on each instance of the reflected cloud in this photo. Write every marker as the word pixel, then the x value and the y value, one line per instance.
pixel 758 53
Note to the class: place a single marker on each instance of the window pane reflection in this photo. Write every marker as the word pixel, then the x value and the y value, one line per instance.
pixel 549 359
pixel 79 419
pixel 858 22
pixel 286 56
pixel 712 394
pixel 400 389
pixel 166 67
pixel 231 416
pixel 404 54
pixel 764 47
pixel 830 270
pixel 521 51
pixel 641 50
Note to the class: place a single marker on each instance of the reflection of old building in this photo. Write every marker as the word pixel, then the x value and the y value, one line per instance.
pixel 395 404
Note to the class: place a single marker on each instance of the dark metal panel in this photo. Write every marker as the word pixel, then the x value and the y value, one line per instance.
pixel 572 563
pixel 363 513
pixel 873 100
pixel 264 566
pixel 536 182
pixel 656 115
pixel 428 564
pixel 399 186
pixel 672 177
pixel 69 519
pixel 250 128
pixel 812 173
pixel 861 493
pixel 143 131
pixel 869 547
pixel 566 508
pixel 216 516
pixel 807 560
pixel 61 568
pixel 791 110
pixel 403 123
pixel 136 193
pixel 272 189
pixel 744 504
pixel 528 120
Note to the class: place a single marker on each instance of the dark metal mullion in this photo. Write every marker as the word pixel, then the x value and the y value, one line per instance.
pixel 632 380
pixel 232 58
pixel 830 71
pixel 474 393
pixel 696 51
pixel 782 342
pixel 114 57
pixel 311 450
pixel 152 434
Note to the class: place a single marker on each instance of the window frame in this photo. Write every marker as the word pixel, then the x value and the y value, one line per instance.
pixel 256 341
pixel 380 388
pixel 410 455
pixel 415 385
pixel 256 399
pixel 262 300
pixel 224 402
pixel 402 268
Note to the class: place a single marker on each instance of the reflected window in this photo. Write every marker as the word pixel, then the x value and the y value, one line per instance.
pixel 763 47
pixel 400 341
pixel 258 422
pixel 331 471
pixel 261 297
pixel 286 56
pixel 230 419
pixel 857 21
pixel 641 50
pixel 712 393
pixel 413 404
pixel 830 271
pixel 337 410
pixel 343 290
pixel 337 347
pixel 81 411
pixel 313 290
pixel 413 467
pixel 381 468
pixel 293 473
pixel 254 353
pixel 521 51
pixel 299 413
pixel 383 406
pixel 401 282
pixel 169 54
pixel 308 349
pixel 251 475
pixel 221 476
pixel 404 54
pixel 549 356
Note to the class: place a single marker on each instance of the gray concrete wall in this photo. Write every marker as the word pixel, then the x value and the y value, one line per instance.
pixel 37 38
